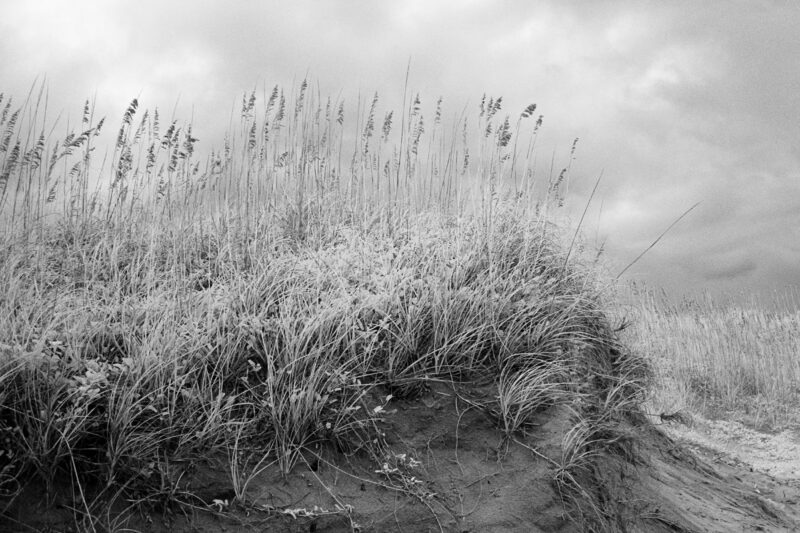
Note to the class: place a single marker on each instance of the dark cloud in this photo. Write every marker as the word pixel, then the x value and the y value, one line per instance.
pixel 726 268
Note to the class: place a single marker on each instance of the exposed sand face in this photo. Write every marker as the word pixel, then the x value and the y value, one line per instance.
pixel 696 488
pixel 450 469
pixel 775 454
pixel 466 477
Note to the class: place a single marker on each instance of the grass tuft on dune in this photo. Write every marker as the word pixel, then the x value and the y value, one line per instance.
pixel 154 314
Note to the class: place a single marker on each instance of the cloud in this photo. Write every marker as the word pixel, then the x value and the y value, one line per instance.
pixel 728 268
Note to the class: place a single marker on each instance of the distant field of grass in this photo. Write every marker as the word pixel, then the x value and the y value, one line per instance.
pixel 728 360
pixel 157 310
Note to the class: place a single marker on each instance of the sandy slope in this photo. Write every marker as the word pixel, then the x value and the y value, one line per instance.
pixel 470 479
pixel 776 454
pixel 450 469
pixel 763 467
pixel 685 486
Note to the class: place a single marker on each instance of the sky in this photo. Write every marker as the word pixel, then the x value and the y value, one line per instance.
pixel 675 102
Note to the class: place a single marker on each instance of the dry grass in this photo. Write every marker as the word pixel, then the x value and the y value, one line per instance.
pixel 721 360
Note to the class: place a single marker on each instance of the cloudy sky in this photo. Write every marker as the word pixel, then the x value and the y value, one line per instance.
pixel 677 102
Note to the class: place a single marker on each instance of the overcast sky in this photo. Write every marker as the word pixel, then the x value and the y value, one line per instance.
pixel 677 102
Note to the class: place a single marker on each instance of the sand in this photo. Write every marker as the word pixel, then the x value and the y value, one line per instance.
pixel 450 468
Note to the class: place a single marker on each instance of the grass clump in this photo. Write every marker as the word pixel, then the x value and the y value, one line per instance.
pixel 276 301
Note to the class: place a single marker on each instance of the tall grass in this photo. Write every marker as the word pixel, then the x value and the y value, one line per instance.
pixel 291 160
pixel 158 310
pixel 721 359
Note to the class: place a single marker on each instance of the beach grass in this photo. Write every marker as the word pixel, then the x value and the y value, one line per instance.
pixel 159 308
pixel 729 359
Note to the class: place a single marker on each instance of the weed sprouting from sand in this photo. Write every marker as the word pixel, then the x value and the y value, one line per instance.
pixel 524 393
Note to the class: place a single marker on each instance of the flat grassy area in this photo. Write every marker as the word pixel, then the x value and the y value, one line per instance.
pixel 722 360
